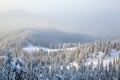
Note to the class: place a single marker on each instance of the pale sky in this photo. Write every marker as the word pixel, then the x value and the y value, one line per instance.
pixel 95 17
pixel 62 6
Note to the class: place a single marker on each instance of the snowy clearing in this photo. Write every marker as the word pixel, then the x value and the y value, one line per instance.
pixel 113 54
pixel 31 48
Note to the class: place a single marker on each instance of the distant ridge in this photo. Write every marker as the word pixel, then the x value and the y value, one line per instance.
pixel 42 37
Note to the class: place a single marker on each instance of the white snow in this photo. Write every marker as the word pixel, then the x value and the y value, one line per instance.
pixel 113 54
pixel 60 76
pixel 75 64
pixel 31 48
pixel 94 60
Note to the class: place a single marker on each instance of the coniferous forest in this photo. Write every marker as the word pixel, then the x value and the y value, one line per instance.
pixel 58 65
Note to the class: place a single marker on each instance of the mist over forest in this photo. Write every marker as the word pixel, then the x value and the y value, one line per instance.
pixel 59 40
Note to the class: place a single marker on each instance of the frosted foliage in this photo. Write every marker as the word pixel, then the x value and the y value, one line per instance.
pixel 17 69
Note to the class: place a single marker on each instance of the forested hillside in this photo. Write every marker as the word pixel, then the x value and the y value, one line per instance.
pixel 41 37
pixel 64 64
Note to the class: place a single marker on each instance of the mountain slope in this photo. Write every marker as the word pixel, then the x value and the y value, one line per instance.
pixel 41 37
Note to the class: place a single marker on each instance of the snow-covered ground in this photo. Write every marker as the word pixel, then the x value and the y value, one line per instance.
pixel 31 48
pixel 94 60
pixel 113 54
pixel 75 64
pixel 91 59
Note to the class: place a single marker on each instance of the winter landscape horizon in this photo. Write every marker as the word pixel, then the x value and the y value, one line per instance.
pixel 59 40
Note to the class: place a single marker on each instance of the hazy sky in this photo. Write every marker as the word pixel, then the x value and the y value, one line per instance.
pixel 62 6
pixel 98 17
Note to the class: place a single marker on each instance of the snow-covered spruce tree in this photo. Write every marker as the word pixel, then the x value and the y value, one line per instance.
pixel 42 73
pixel 81 71
pixel 13 69
pixel 110 71
pixel 73 73
pixel 89 73
pixel 101 71
pixel 114 69
pixel 118 73
pixel 7 70
pixel 48 75
pixel 18 70
pixel 106 72
pixel 58 75
pixel 66 74
pixel 33 70
pixel 96 71
pixel 74 77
